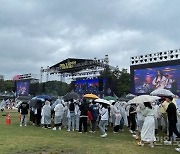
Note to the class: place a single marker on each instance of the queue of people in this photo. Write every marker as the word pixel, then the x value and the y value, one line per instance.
pixel 144 119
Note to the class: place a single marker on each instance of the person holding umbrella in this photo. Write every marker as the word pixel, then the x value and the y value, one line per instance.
pixel 172 118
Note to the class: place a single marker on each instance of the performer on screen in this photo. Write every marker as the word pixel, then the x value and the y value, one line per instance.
pixel 159 81
pixel 168 82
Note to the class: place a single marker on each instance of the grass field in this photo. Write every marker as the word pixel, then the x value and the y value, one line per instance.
pixel 31 139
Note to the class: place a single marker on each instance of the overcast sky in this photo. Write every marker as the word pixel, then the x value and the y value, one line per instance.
pixel 40 33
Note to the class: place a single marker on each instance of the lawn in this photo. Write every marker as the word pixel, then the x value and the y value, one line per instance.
pixel 32 139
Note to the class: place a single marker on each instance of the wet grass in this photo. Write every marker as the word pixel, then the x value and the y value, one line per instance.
pixel 31 139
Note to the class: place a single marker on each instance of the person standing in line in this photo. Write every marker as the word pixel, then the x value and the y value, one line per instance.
pixel 140 120
pixel 23 109
pixel 59 111
pixel 124 118
pixel 94 109
pixel 156 115
pixel 132 115
pixel 71 116
pixel 172 118
pixel 77 115
pixel 117 116
pixel 148 129
pixel 46 115
pixel 104 115
pixel 84 107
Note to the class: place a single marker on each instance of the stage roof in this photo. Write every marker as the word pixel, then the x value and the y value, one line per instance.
pixel 72 65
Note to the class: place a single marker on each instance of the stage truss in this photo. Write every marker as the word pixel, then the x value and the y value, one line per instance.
pixel 84 68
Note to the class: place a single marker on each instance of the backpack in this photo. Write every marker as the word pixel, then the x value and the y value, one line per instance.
pixel 71 107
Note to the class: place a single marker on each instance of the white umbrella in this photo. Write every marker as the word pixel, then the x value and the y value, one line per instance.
pixel 143 98
pixel 102 101
pixel 161 92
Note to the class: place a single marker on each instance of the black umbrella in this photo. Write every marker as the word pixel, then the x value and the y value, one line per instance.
pixel 71 95
pixel 36 103
pixel 23 98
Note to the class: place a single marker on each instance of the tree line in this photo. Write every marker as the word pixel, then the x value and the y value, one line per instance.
pixel 120 80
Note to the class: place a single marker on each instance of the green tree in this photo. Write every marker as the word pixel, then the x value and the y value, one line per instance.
pixel 120 80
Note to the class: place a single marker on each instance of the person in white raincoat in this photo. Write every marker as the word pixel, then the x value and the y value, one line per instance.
pixel 65 119
pixel 156 115
pixel 117 116
pixel 59 111
pixel 140 120
pixel 124 117
pixel 46 115
pixel 148 129
pixel 77 115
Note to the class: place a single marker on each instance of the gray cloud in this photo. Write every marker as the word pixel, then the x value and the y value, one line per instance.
pixel 41 33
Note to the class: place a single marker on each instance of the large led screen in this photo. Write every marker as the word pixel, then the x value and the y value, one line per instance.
pixel 149 79
pixel 22 88
pixel 84 86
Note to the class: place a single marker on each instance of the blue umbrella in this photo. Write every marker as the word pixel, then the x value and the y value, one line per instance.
pixel 45 97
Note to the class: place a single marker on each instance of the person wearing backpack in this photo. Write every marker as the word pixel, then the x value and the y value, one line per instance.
pixel 71 115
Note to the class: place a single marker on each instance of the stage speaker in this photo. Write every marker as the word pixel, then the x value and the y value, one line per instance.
pixel 100 88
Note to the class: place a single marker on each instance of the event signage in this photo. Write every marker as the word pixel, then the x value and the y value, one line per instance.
pixel 68 65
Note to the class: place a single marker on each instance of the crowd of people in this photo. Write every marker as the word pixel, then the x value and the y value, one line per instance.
pixel 143 119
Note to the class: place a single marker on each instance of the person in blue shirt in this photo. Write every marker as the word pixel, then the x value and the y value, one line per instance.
pixel 94 109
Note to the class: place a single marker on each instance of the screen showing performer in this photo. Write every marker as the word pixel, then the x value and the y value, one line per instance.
pixel 148 79
pixel 22 88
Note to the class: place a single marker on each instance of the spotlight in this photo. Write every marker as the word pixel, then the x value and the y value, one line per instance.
pixel 171 51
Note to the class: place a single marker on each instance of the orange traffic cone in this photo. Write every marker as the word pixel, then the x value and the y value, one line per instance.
pixel 8 119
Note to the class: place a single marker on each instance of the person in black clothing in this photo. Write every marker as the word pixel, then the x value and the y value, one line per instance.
pixel 172 118
pixel 132 115
pixel 84 107
pixel 23 109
